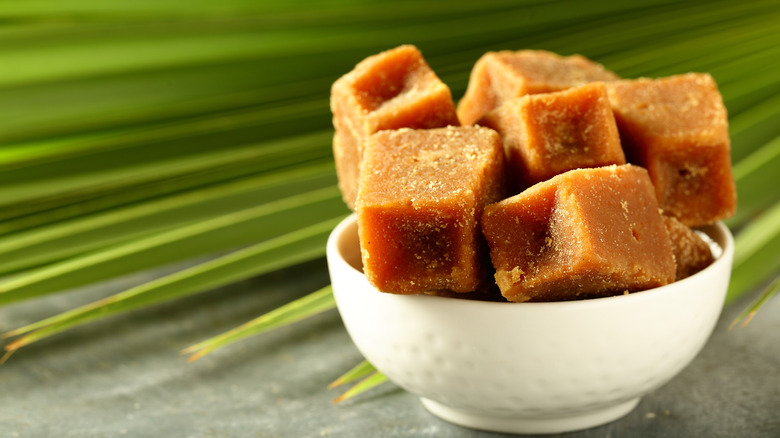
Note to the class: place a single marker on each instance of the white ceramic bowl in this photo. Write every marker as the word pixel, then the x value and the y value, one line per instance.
pixel 529 367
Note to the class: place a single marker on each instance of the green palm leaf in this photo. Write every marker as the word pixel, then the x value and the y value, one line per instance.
pixel 135 134
pixel 220 233
pixel 311 304
pixel 280 252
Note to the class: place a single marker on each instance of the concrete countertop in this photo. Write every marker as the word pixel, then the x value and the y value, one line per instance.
pixel 124 376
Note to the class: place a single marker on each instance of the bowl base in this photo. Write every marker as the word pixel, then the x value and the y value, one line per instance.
pixel 528 425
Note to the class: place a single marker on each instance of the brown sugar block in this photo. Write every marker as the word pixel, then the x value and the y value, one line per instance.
pixel 347 159
pixel 420 199
pixel 500 76
pixel 584 233
pixel 691 252
pixel 390 90
pixel 551 133
pixel 677 128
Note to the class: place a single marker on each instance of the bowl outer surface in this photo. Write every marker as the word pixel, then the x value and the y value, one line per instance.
pixel 531 359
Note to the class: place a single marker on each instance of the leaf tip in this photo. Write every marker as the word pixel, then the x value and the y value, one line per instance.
pixel 197 354
pixel 4 358
pixel 335 383
pixel 17 344
pixel 748 318
pixel 10 334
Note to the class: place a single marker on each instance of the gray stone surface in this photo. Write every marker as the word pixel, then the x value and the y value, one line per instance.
pixel 124 376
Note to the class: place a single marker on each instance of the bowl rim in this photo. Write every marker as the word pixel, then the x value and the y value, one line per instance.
pixel 719 234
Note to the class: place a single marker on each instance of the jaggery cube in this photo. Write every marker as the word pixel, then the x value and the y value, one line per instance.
pixel 500 76
pixel 582 234
pixel 420 198
pixel 393 89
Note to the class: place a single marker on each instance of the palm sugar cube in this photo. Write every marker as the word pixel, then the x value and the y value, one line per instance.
pixel 391 90
pixel 551 133
pixel 419 202
pixel 500 76
pixel 691 252
pixel 582 234
pixel 677 128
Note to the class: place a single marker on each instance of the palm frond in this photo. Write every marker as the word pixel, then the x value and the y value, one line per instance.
pixel 135 134
pixel 312 304
pixel 295 247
